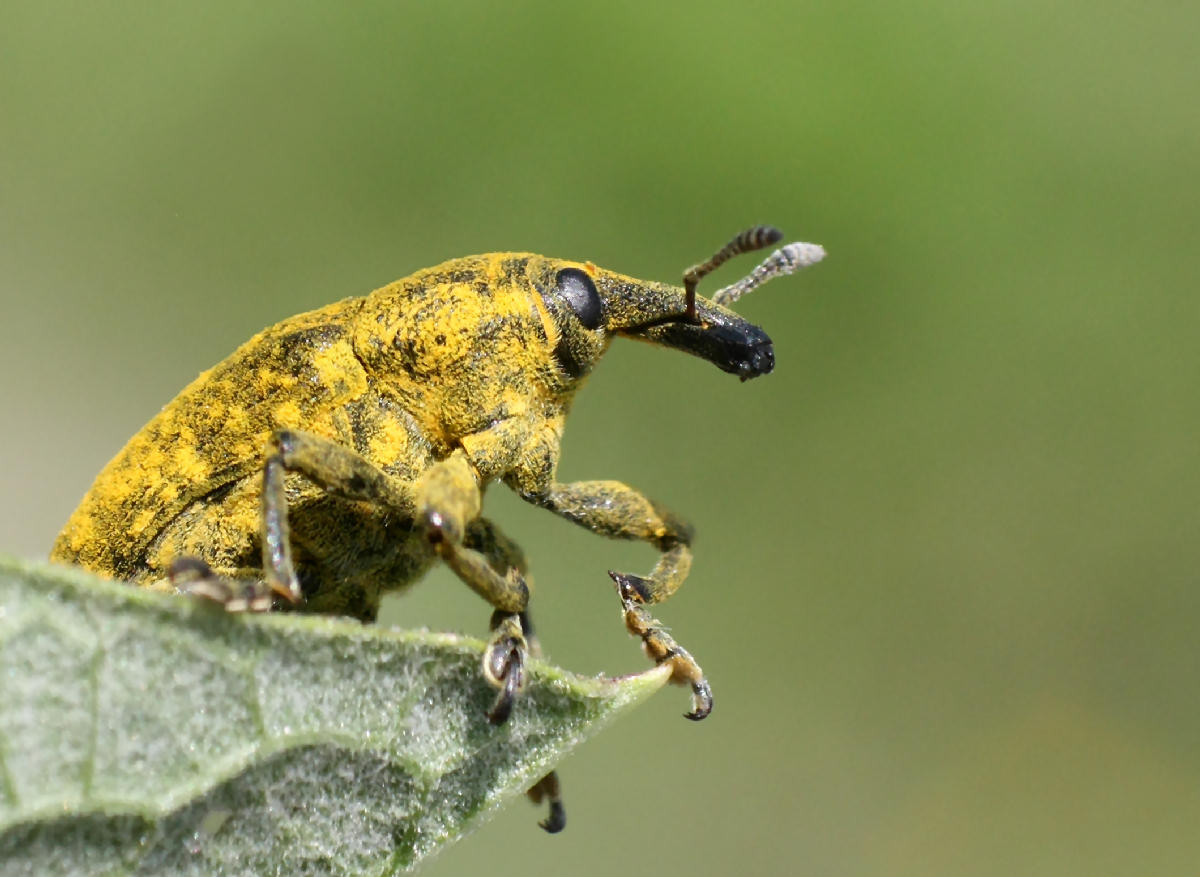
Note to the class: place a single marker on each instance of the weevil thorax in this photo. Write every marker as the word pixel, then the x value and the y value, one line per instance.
pixel 466 344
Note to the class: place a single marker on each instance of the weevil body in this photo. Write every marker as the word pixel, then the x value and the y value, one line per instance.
pixel 337 455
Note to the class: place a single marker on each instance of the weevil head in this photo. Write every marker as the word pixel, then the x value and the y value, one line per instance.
pixel 479 340
pixel 589 306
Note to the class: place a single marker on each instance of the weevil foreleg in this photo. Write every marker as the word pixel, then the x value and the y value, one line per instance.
pixel 616 510
pixel 613 509
pixel 661 648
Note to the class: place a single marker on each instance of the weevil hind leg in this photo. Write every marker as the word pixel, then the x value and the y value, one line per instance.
pixel 340 471
pixel 193 576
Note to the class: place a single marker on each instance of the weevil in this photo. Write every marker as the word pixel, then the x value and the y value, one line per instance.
pixel 337 455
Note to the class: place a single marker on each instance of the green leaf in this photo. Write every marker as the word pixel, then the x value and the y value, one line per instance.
pixel 141 732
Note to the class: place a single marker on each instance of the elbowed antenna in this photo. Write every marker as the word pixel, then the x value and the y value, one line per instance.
pixel 751 239
pixel 786 260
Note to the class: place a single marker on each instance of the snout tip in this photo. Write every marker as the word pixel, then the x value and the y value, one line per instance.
pixel 759 360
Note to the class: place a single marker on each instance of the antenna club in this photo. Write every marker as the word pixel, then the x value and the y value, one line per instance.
pixel 786 260
pixel 803 254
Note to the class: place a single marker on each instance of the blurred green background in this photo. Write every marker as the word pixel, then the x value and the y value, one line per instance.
pixel 946 576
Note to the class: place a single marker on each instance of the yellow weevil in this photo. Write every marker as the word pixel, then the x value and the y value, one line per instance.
pixel 335 456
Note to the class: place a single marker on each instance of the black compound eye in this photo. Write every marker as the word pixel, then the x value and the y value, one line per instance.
pixel 577 290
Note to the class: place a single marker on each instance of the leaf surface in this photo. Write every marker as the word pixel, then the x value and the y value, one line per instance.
pixel 145 733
